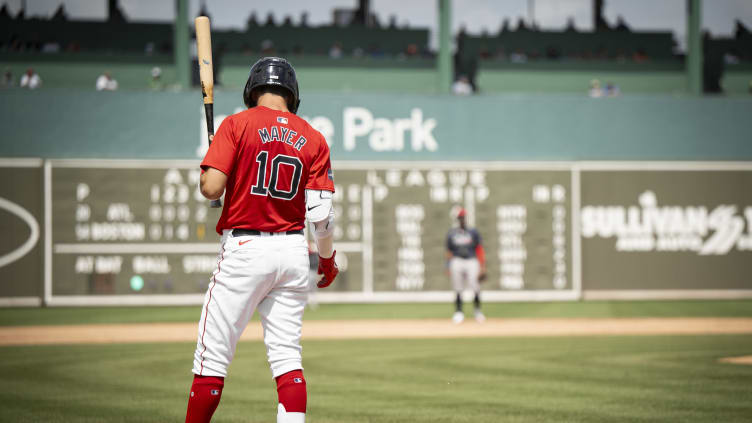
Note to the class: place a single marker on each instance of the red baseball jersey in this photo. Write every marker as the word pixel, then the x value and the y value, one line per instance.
pixel 270 159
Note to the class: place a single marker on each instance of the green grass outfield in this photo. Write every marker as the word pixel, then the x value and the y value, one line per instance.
pixel 473 380
pixel 559 379
pixel 81 315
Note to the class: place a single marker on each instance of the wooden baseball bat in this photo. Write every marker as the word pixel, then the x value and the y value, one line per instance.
pixel 206 72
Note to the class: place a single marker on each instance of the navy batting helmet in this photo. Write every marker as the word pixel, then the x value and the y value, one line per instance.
pixel 273 71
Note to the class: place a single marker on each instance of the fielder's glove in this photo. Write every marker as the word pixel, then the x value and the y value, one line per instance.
pixel 482 277
pixel 328 268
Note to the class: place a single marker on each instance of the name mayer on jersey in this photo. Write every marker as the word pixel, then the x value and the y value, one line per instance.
pixel 281 134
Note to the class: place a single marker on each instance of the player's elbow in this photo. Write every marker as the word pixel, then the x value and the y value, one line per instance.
pixel 211 191
pixel 212 183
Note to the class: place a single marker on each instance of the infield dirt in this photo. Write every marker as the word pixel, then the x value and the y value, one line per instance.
pixel 745 359
pixel 364 329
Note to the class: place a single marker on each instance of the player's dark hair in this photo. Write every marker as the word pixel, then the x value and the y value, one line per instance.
pixel 271 89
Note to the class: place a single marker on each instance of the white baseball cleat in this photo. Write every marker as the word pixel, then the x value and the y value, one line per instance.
pixel 479 317
pixel 458 317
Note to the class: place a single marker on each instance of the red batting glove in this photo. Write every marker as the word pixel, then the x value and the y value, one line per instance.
pixel 328 268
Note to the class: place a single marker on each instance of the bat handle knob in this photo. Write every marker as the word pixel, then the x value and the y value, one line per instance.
pixel 216 204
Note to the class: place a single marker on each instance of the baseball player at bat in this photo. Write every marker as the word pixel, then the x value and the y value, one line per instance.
pixel 466 263
pixel 275 171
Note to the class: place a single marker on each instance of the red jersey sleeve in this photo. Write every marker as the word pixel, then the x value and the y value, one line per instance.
pixel 481 254
pixel 320 175
pixel 221 154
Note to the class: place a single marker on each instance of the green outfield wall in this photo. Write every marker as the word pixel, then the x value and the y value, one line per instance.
pixel 117 232
pixel 22 228
pixel 638 196
pixel 380 126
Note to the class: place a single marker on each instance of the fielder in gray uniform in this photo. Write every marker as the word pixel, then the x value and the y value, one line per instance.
pixel 466 263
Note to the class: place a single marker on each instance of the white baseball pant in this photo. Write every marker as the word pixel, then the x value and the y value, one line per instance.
pixel 464 272
pixel 264 272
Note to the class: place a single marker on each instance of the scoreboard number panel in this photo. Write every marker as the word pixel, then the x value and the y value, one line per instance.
pixel 128 228
pixel 523 216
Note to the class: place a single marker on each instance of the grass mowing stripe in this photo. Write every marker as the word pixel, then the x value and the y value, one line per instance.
pixel 593 379
pixel 81 315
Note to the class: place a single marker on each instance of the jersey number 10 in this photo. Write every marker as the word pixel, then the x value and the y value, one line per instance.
pixel 280 159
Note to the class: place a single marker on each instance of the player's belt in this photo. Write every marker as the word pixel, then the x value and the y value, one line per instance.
pixel 244 232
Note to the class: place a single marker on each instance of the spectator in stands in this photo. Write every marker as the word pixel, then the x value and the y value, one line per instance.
pixel 335 51
pixel 621 25
pixel 411 50
pixel 392 22
pixel 31 80
pixel 7 78
pixel 595 90
pixel 521 26
pixel 504 26
pixel 106 83
pixel 518 56
pixel 640 56
pixel 731 58
pixel 267 47
pixel 621 55
pixel 155 83
pixel 462 36
pixel 552 53
pixel 15 43
pixel 570 25
pixel 601 53
pixel 270 21
pixel 34 44
pixel 73 47
pixel 51 47
pixel 252 21
pixel 500 53
pixel 427 53
pixel 462 86
pixel 713 67
pixel 465 61
pixel 612 90
pixel 374 50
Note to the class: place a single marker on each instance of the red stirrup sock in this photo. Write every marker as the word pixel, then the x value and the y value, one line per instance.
pixel 291 391
pixel 205 394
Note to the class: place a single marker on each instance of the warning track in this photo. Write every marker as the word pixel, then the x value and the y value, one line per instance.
pixel 365 329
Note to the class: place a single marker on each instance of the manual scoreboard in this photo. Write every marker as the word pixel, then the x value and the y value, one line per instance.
pixel 143 228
